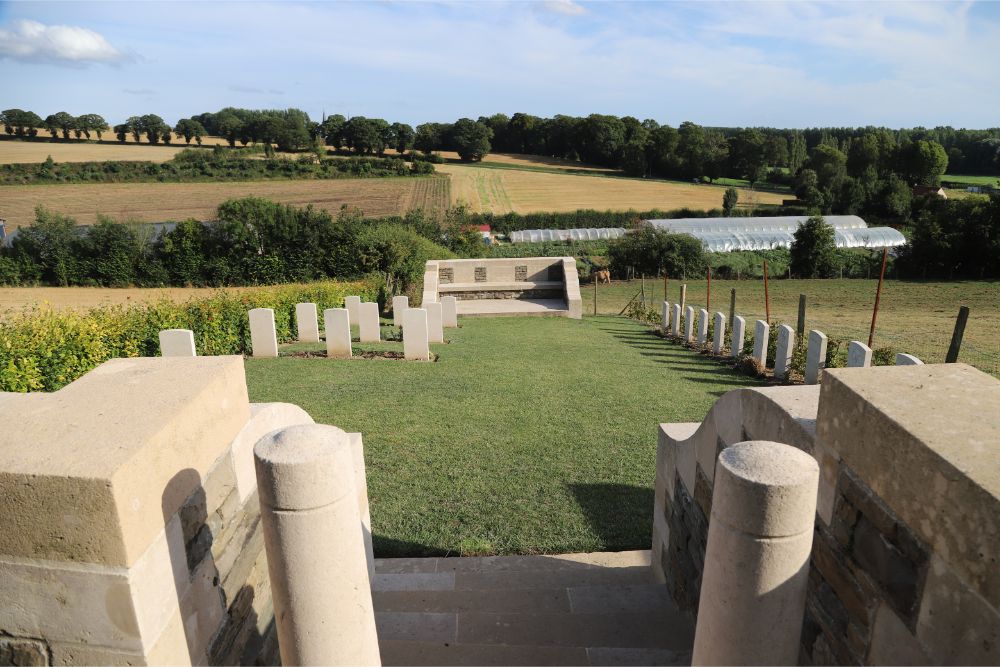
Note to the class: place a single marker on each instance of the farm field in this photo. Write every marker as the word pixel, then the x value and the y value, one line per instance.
pixel 522 191
pixel 36 151
pixel 915 317
pixel 158 202
pixel 553 453
pixel 971 180
pixel 13 299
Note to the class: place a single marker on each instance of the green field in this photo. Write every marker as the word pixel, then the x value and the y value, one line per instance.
pixel 915 317
pixel 971 180
pixel 528 435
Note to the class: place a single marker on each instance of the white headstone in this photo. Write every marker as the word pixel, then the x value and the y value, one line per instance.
pixel 702 326
pixel 415 335
pixel 665 316
pixel 815 356
pixel 177 343
pixel 435 322
pixel 738 338
pixel 783 353
pixel 907 360
pixel 306 322
pixel 351 303
pixel 337 323
pixel 688 324
pixel 449 312
pixel 399 305
pixel 263 338
pixel 720 333
pixel 675 328
pixel 760 334
pixel 368 324
pixel 859 355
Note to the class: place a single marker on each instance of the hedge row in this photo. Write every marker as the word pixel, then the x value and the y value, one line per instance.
pixel 44 349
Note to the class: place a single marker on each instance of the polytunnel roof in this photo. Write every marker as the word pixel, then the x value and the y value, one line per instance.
pixel 725 241
pixel 787 223
pixel 591 234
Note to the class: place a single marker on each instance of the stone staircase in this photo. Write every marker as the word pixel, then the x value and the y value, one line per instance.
pixel 573 609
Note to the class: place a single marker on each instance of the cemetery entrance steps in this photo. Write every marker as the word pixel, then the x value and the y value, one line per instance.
pixel 573 609
pixel 513 307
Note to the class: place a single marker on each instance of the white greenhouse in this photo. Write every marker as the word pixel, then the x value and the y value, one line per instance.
pixel 539 235
pixel 764 233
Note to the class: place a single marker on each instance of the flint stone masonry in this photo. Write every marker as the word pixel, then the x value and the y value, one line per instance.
pixel 720 334
pixel 702 326
pixel 399 305
pixel 815 356
pixel 307 322
pixel 352 304
pixel 337 324
pixel 676 325
pixel 177 343
pixel 132 536
pixel 263 337
pixel 369 330
pixel 760 336
pixel 435 322
pixel 907 527
pixel 859 355
pixel 738 336
pixel 756 565
pixel 415 335
pixel 449 312
pixel 689 324
pixel 783 351
pixel 907 360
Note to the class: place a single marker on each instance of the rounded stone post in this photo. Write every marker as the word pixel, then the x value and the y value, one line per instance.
pixel 760 535
pixel 738 336
pixel 315 547
pixel 399 305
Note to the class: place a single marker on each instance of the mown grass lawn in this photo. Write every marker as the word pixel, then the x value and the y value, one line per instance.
pixel 528 435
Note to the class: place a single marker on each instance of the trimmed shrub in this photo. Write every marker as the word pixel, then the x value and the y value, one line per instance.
pixel 44 349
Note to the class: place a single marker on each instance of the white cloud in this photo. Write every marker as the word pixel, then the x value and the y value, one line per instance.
pixel 31 41
pixel 567 7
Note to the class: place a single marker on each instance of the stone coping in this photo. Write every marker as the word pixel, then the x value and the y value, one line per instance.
pixel 512 286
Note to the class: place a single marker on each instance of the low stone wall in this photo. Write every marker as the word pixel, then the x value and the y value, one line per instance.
pixel 904 566
pixel 131 529
pixel 509 294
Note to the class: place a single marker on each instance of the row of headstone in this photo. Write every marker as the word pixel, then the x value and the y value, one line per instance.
pixel 858 354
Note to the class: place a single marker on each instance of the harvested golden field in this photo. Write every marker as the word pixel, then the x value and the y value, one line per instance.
pixel 521 191
pixel 14 299
pixel 109 136
pixel 159 202
pixel 36 151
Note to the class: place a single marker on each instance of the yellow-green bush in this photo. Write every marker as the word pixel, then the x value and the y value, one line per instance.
pixel 44 349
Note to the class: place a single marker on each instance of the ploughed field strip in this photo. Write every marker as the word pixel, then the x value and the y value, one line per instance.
pixel 576 609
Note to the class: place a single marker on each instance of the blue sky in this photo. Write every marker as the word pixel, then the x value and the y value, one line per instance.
pixel 785 64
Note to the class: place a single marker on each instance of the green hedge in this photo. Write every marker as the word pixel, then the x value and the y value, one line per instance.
pixel 43 349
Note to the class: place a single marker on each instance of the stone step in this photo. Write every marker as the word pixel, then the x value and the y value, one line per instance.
pixel 395 652
pixel 573 561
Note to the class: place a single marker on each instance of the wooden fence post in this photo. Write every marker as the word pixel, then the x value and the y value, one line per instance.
pixel 800 327
pixel 956 336
pixel 878 296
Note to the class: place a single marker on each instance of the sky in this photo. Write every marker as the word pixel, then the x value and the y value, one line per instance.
pixel 778 64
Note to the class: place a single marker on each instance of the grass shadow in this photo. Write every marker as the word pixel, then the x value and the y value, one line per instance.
pixel 620 515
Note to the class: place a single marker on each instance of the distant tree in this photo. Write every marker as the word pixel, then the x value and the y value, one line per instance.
pixel 429 137
pixel 691 150
pixel 924 162
pixel 652 251
pixel 229 127
pixel 776 150
pixel 91 122
pixel 50 243
pixel 603 138
pixel 729 200
pixel 332 130
pixel 189 129
pixel 634 161
pixel 364 135
pixel 21 123
pixel 121 132
pixel 797 152
pixel 60 122
pixel 746 152
pixel 471 139
pixel 404 136
pixel 813 253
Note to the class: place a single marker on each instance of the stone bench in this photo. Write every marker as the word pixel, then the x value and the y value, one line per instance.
pixel 518 286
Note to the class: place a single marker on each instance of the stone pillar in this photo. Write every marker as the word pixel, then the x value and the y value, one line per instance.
pixel 907 360
pixel 761 332
pixel 352 303
pixel 177 343
pixel 435 322
pixel 415 333
pixel 263 338
pixel 306 322
pixel 815 356
pixel 720 333
pixel 399 306
pixel 783 353
pixel 315 547
pixel 368 323
pixel 449 312
pixel 738 336
pixel 859 355
pixel 665 316
pixel 760 535
pixel 337 323
pixel 689 324
pixel 675 328
pixel 702 326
